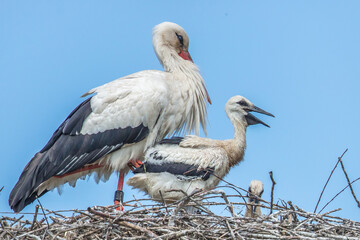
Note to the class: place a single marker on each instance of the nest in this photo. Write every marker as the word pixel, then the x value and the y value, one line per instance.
pixel 215 217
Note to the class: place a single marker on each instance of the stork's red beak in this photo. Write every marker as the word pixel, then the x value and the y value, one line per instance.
pixel 185 55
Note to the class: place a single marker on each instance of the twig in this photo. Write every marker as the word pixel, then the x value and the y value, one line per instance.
pixel 42 209
pixel 272 191
pixel 140 203
pixel 292 214
pixel 230 207
pixel 17 220
pixel 230 230
pixel 163 201
pixel 327 181
pixel 33 231
pixel 233 187
pixel 175 235
pixel 181 204
pixel 338 194
pixel 35 216
pixel 127 224
pixel 1 188
pixel 332 211
pixel 348 180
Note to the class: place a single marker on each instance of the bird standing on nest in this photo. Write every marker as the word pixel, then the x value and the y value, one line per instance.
pixel 122 119
pixel 190 163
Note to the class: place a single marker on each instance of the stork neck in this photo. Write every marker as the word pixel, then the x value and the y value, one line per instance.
pixel 238 143
pixel 173 63
pixel 240 130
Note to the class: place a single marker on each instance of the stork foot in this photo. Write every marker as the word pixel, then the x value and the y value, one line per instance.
pixel 119 199
pixel 133 164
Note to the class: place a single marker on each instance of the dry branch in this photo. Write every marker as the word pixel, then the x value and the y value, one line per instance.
pixel 151 220
pixel 339 194
pixel 348 180
pixel 272 191
pixel 327 181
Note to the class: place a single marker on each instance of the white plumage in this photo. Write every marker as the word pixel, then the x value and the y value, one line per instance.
pixel 121 120
pixel 256 189
pixel 193 162
pixel 164 181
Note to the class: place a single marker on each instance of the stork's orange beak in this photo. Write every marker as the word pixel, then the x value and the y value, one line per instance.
pixel 185 55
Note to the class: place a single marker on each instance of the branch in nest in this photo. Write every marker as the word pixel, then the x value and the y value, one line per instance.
pixel 272 191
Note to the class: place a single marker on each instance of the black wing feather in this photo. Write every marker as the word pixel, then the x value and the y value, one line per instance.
pixel 67 151
pixel 173 140
pixel 159 163
pixel 176 169
pixel 72 124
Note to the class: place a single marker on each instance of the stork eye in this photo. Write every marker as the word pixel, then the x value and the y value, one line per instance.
pixel 243 103
pixel 181 39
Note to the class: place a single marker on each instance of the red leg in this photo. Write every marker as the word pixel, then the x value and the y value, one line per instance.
pixel 119 194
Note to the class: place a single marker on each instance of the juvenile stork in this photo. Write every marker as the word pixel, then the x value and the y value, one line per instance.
pixel 121 120
pixel 256 189
pixel 190 163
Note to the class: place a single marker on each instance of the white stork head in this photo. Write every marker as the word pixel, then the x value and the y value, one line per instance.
pixel 239 108
pixel 171 44
pixel 256 188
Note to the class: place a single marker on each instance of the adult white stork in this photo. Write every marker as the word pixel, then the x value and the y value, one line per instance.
pixel 120 121
pixel 256 189
pixel 193 162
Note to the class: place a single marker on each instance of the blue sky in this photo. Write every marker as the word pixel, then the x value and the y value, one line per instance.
pixel 298 60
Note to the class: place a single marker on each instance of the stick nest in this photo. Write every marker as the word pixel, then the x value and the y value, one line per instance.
pixel 216 218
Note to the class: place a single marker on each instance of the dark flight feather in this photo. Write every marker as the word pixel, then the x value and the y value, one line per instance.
pixel 173 140
pixel 67 151
pixel 175 168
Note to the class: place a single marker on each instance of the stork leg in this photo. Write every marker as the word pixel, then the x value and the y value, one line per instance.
pixel 119 194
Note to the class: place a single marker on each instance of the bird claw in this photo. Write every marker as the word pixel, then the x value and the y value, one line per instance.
pixel 133 164
pixel 120 208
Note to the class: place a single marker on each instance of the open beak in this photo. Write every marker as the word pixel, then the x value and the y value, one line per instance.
pixel 251 119
pixel 185 55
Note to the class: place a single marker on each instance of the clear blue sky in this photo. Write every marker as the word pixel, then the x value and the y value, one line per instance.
pixel 296 59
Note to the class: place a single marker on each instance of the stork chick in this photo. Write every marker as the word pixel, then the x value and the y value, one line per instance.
pixel 190 163
pixel 256 189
